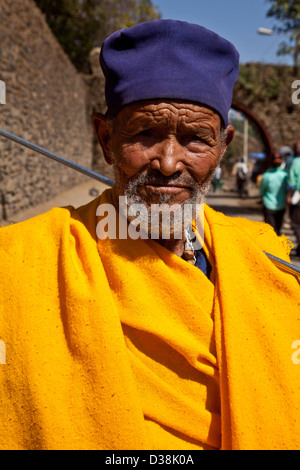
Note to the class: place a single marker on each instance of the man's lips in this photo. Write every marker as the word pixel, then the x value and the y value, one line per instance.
pixel 165 188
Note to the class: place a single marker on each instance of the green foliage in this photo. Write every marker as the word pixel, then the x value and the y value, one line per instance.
pixel 261 82
pixel 80 25
pixel 287 15
pixel 238 125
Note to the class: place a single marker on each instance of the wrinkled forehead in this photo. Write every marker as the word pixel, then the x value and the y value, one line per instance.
pixel 168 113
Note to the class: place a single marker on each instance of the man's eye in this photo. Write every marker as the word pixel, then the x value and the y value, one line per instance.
pixel 145 133
pixel 193 139
pixel 197 138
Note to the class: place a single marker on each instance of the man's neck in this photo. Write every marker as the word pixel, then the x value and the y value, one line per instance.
pixel 175 246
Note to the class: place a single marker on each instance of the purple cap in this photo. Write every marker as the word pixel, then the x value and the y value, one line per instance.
pixel 169 59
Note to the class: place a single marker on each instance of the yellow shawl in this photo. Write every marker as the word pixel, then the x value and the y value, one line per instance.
pixel 119 344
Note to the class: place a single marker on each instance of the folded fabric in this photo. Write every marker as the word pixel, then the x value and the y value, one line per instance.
pixel 120 344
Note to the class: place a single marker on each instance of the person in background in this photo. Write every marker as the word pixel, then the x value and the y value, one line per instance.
pixel 286 154
pixel 217 184
pixel 242 174
pixel 273 188
pixel 293 195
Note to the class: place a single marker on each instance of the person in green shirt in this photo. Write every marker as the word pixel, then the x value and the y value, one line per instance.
pixel 273 188
pixel 293 186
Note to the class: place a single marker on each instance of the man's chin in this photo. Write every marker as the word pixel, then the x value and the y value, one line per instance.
pixel 164 195
pixel 160 221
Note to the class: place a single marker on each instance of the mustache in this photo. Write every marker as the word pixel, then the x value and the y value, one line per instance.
pixel 155 177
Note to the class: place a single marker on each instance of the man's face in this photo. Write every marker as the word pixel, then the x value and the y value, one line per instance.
pixel 164 152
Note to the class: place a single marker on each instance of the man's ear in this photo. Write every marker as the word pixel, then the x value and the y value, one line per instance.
pixel 229 138
pixel 103 129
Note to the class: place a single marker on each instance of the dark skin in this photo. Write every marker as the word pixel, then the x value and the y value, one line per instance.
pixel 173 138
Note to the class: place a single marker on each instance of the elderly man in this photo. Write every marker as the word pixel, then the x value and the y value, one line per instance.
pixel 120 340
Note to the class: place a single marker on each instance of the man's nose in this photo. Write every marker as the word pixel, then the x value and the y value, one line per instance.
pixel 168 157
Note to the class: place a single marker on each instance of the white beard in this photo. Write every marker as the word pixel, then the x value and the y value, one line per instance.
pixel 162 220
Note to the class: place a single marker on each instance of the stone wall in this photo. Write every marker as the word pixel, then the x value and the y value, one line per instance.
pixel 46 103
pixel 95 84
pixel 266 90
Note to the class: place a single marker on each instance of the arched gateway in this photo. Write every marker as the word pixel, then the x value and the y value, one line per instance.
pixel 261 128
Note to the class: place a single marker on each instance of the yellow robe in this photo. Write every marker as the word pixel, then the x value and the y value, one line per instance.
pixel 120 344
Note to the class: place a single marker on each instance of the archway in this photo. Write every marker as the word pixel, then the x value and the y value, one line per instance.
pixel 261 128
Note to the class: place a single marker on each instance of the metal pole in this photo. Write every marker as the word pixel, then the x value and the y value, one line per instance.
pixel 291 268
pixel 58 158
pixel 246 138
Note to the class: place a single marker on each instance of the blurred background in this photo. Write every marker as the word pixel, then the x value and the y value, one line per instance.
pixel 49 66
